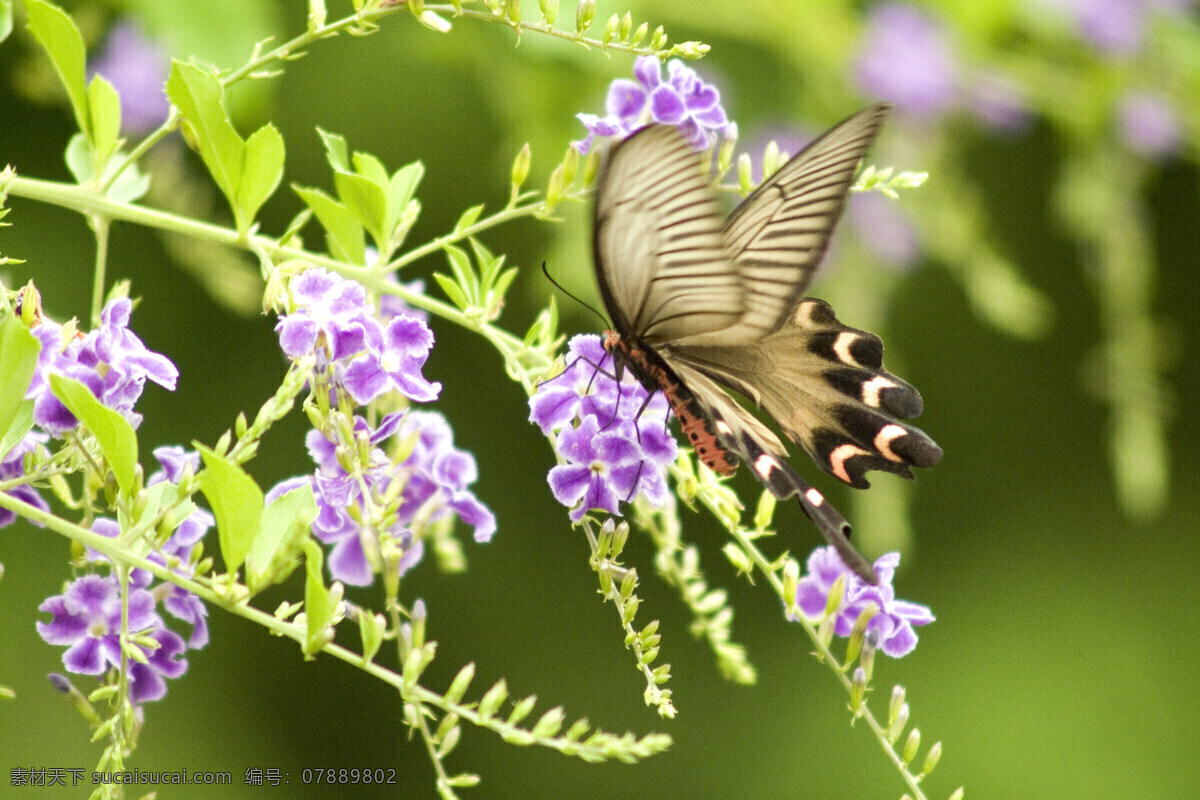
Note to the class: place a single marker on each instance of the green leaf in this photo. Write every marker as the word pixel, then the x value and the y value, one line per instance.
pixel 275 552
pixel 468 218
pixel 59 37
pixel 18 358
pixel 112 431
pixel 198 96
pixel 336 152
pixel 320 603
pixel 366 201
pixel 452 291
pixel 371 168
pixel 21 424
pixel 6 18
pixel 262 169
pixel 503 282
pixel 403 184
pixel 237 504
pixel 343 234
pixel 460 265
pixel 104 108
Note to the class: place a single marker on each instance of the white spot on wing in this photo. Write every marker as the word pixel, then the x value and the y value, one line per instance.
pixel 872 388
pixel 803 315
pixel 842 345
pixel 724 428
pixel 839 457
pixel 764 464
pixel 814 497
pixel 883 440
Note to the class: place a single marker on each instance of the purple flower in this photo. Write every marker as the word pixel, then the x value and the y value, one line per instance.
pixel 334 320
pixel 111 361
pixel 611 453
pixel 12 465
pixel 683 100
pixel 137 68
pixel 1000 102
pixel 907 58
pixel 1149 125
pixel 893 623
pixel 432 483
pixel 87 617
pixel 147 681
pixel 884 229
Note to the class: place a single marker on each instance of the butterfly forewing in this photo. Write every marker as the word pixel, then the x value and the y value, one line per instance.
pixel 778 235
pixel 660 253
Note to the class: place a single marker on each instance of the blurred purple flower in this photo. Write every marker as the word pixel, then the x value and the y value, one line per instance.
pixel 907 58
pixel 895 618
pixel 1149 125
pixel 137 68
pixel 884 229
pixel 611 451
pixel 683 100
pixel 1000 102
pixel 1116 27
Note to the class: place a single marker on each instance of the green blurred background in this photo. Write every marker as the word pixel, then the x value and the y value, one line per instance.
pixel 1047 308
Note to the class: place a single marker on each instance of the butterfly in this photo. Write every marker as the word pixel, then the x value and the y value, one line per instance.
pixel 700 304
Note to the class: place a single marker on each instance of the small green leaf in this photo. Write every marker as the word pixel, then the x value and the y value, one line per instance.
pixel 237 504
pixel 404 183
pixel 452 291
pixel 343 234
pixel 366 201
pixel 336 152
pixel 6 18
pixel 104 108
pixel 370 168
pixel 22 423
pixel 262 169
pixel 199 97
pixel 320 603
pixel 112 431
pixel 18 358
pixel 275 552
pixel 503 282
pixel 460 265
pixel 468 218
pixel 61 40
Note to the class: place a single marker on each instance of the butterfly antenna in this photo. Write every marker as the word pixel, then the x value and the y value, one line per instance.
pixel 545 271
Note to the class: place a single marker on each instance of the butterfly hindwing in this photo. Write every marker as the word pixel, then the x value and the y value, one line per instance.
pixel 739 432
pixel 825 386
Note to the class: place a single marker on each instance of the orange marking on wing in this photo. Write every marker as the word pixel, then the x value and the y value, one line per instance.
pixel 883 441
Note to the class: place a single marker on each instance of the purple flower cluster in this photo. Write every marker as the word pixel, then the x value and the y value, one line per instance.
pixel 354 350
pixel 1149 125
pixel 611 451
pixel 432 484
pixel 87 616
pixel 682 100
pixel 908 58
pixel 111 361
pixel 893 623
pixel 1115 27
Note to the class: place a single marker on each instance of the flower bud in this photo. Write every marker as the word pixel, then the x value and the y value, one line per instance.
pixel 583 15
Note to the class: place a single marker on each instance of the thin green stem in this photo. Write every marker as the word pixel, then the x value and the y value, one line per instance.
pixel 100 225
pixel 823 652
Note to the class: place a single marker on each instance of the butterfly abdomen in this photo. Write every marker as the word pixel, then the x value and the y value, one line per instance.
pixel 695 424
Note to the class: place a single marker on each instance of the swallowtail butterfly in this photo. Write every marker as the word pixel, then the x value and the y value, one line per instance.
pixel 700 304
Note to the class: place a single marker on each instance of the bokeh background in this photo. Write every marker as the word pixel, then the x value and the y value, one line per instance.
pixel 1040 290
